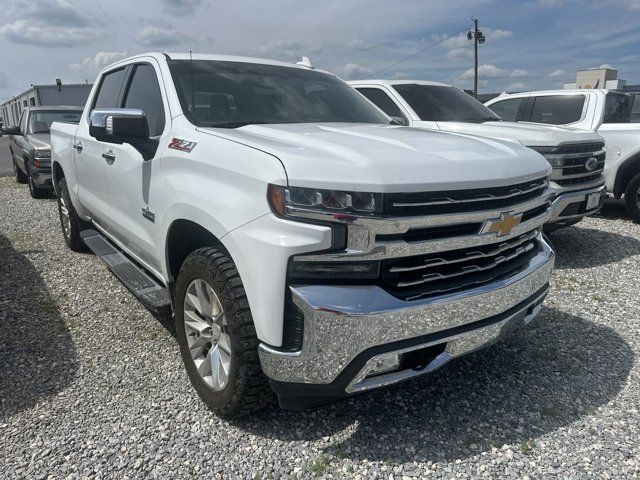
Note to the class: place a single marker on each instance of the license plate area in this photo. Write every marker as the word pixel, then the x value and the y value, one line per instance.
pixel 593 200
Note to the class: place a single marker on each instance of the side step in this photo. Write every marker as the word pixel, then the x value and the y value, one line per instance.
pixel 147 290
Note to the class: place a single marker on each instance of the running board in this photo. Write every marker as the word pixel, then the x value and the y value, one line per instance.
pixel 146 289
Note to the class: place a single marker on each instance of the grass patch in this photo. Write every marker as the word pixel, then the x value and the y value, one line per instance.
pixel 320 465
pixel 527 447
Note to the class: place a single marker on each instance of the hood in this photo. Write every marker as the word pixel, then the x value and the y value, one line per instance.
pixel 387 158
pixel 40 141
pixel 527 134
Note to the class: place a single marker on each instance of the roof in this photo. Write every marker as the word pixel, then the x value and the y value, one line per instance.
pixel 398 82
pixel 54 107
pixel 212 57
pixel 560 91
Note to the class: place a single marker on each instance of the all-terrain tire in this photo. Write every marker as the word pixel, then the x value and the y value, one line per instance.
pixel 34 191
pixel 632 198
pixel 69 220
pixel 247 389
pixel 19 175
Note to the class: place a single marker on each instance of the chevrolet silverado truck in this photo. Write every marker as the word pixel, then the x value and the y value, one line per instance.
pixel 613 115
pixel 577 156
pixel 305 245
pixel 30 149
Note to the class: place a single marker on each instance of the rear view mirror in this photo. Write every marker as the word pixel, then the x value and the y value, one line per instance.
pixel 119 125
pixel 12 130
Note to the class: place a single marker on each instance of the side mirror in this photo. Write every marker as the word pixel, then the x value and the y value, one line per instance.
pixel 398 121
pixel 119 125
pixel 12 130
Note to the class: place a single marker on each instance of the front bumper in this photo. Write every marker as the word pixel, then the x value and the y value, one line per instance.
pixel 42 177
pixel 569 206
pixel 347 327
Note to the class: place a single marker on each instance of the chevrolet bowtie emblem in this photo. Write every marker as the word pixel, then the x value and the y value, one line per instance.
pixel 503 225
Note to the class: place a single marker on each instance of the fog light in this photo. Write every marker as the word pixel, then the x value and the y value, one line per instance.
pixel 385 364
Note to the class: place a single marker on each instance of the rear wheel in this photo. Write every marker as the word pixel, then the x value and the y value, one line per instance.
pixel 20 176
pixel 217 337
pixel 632 198
pixel 69 220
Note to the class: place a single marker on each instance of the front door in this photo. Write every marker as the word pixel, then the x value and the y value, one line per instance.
pixel 128 181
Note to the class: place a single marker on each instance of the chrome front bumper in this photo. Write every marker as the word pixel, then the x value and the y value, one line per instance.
pixel 343 322
pixel 566 199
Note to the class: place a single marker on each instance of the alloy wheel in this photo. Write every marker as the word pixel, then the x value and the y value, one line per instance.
pixel 207 334
pixel 65 218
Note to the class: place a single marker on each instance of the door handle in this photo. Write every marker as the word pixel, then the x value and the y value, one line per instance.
pixel 78 146
pixel 109 156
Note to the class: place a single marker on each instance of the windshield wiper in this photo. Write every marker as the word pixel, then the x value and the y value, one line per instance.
pixel 232 124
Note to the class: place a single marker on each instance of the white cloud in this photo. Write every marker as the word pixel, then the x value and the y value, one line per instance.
pixel 98 62
pixel 401 76
pixel 22 31
pixel 496 33
pixel 181 7
pixel 355 71
pixel 605 65
pixel 491 71
pixel 159 37
pixel 557 73
pixel 515 86
pixel 4 81
pixel 60 13
pixel 460 53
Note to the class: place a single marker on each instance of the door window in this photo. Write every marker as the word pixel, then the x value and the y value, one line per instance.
pixel 507 109
pixel 144 94
pixel 109 90
pixel 382 100
pixel 557 109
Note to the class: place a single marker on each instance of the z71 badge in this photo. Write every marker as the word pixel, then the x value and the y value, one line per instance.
pixel 182 145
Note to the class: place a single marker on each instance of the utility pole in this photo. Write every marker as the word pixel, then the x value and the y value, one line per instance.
pixel 478 37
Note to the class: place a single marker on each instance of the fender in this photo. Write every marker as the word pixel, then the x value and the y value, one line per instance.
pixel 626 171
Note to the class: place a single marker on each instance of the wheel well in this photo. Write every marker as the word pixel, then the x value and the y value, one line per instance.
pixel 629 169
pixel 58 173
pixel 183 238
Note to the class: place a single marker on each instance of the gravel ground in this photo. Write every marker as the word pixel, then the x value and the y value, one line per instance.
pixel 91 384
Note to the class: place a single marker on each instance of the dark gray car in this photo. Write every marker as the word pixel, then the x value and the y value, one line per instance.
pixel 30 145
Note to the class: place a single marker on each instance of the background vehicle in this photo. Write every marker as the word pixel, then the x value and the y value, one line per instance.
pixel 579 189
pixel 306 246
pixel 30 146
pixel 614 115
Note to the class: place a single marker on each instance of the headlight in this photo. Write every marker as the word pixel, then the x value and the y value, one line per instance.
pixel 555 159
pixel 292 201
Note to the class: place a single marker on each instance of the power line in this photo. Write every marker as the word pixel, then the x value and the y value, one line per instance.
pixel 428 47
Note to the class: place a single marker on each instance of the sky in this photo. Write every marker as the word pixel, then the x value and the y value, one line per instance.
pixel 530 44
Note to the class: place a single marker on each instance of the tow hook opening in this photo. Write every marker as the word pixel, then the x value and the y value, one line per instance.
pixel 421 358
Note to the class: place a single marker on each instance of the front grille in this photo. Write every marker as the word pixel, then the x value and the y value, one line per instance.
pixel 571 167
pixel 458 201
pixel 422 276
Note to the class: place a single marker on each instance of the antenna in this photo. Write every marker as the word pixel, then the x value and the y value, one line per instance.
pixel 193 90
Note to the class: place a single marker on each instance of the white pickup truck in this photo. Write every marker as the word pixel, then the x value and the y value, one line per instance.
pixel 305 245
pixel 613 115
pixel 577 156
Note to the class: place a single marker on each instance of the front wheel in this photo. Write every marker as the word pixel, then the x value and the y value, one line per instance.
pixel 19 175
pixel 34 191
pixel 217 338
pixel 632 198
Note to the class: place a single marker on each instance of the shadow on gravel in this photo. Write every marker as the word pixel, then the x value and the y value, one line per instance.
pixel 614 210
pixel 587 247
pixel 37 354
pixel 542 378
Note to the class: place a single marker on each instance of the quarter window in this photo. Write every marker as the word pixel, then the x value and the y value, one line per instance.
pixel 507 109
pixel 382 100
pixel 144 94
pixel 109 91
pixel 557 109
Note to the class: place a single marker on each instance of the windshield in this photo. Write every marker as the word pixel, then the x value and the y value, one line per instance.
pixel 40 120
pixel 436 103
pixel 234 94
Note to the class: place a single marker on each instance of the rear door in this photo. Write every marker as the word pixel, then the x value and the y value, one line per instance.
pixel 90 165
pixel 129 189
pixel 511 109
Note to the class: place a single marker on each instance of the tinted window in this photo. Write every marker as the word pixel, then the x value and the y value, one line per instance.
pixel 233 94
pixel 23 121
pixel 557 109
pixel 621 108
pixel 507 109
pixel 40 120
pixel 109 90
pixel 144 93
pixel 437 103
pixel 382 100
pixel 635 108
